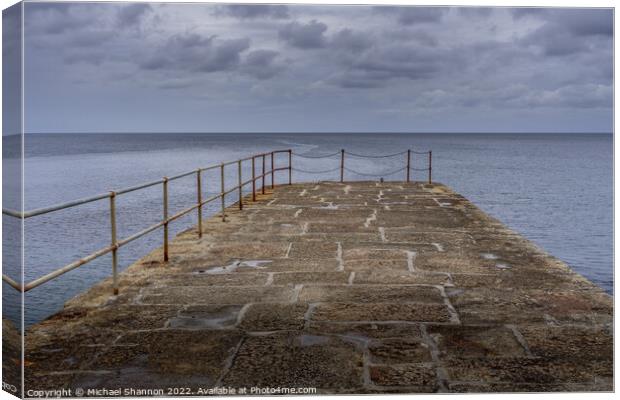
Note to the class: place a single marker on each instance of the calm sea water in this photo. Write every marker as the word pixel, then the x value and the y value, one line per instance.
pixel 557 190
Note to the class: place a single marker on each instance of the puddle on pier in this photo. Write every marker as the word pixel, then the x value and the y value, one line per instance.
pixel 233 266
pixel 488 256
pixel 221 318
pixel 312 340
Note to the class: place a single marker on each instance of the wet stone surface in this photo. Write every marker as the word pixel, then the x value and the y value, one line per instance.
pixel 361 287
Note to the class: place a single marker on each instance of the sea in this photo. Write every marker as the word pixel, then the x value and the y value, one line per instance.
pixel 554 189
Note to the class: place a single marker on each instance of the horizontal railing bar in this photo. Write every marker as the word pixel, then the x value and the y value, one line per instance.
pixel 181 175
pixel 138 187
pixel 140 234
pixel 96 254
pixel 40 211
pixel 210 199
pixel 260 155
pixel 62 206
pixel 230 190
pixel 182 213
pixel 12 213
pixel 210 168
pixel 267 173
pixel 11 282
pixel 67 268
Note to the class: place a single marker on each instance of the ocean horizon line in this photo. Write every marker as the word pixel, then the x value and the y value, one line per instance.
pixel 316 133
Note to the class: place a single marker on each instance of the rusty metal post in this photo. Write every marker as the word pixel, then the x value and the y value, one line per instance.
pixel 408 164
pixel 240 187
pixel 199 197
pixel 222 195
pixel 263 174
pixel 341 165
pixel 290 167
pixel 253 179
pixel 430 166
pixel 114 243
pixel 272 166
pixel 165 219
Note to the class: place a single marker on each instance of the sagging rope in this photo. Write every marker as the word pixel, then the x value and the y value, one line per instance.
pixel 315 172
pixel 323 156
pixel 360 155
pixel 372 156
pixel 375 175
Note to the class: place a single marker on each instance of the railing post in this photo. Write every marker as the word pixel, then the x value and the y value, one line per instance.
pixel 290 167
pixel 114 243
pixel 222 195
pixel 165 219
pixel 408 164
pixel 341 165
pixel 199 197
pixel 272 171
pixel 263 174
pixel 430 166
pixel 240 187
pixel 253 179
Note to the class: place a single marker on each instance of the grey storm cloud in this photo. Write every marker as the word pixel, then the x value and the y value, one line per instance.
pixel 304 36
pixel 130 15
pixel 59 20
pixel 90 38
pixel 585 22
pixel 87 57
pixel 305 58
pixel 197 53
pixel 579 22
pixel 381 66
pixel 567 32
pixel 518 96
pixel 413 15
pixel 475 11
pixel 249 11
pixel 262 64
pixel 349 40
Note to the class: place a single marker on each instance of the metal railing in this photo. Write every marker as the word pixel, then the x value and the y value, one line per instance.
pixel 116 244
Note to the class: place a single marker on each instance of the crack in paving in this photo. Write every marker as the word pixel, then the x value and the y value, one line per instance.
pixel 411 255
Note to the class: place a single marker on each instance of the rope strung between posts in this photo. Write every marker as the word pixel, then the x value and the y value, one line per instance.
pixel 371 156
pixel 315 172
pixel 314 157
pixel 360 155
pixel 375 175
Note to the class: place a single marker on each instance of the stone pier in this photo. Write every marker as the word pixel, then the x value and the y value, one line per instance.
pixel 361 287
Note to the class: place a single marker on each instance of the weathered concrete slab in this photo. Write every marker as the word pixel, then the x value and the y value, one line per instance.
pixel 381 312
pixel 297 360
pixel 348 288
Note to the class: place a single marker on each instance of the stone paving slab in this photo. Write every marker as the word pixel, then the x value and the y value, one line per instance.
pixel 361 287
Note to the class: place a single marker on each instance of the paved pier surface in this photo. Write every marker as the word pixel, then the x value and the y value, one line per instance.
pixel 348 288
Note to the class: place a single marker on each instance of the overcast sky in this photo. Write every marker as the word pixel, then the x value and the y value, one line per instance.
pixel 193 67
